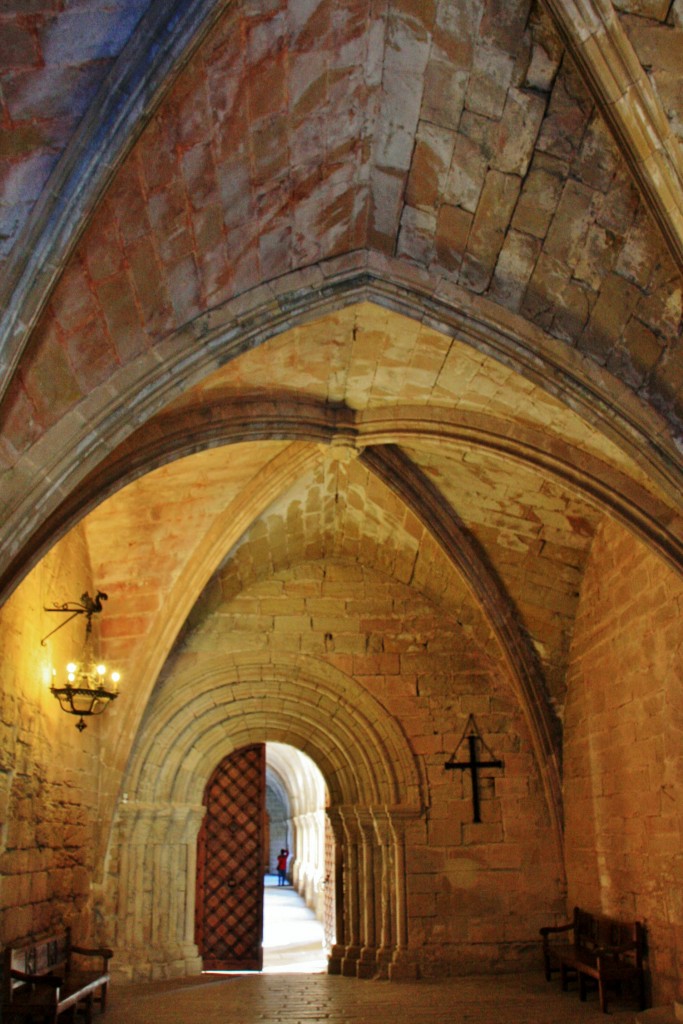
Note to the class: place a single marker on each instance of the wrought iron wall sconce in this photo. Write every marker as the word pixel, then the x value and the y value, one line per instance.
pixel 89 689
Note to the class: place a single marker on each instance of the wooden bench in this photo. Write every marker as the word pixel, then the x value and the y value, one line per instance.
pixel 41 979
pixel 597 947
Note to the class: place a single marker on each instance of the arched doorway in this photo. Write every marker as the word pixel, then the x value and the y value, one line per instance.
pixel 297 936
pixel 375 795
pixel 229 900
pixel 259 799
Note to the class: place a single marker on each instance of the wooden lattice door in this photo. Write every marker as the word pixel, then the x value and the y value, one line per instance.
pixel 229 914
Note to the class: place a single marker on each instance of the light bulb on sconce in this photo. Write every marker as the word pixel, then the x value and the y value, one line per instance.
pixel 87 691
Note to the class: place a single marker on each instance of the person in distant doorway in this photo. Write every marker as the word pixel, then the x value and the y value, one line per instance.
pixel 282 867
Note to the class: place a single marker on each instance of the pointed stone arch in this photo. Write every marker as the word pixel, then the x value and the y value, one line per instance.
pixel 44 496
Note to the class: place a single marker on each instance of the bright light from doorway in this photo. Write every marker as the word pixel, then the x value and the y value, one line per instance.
pixel 292 935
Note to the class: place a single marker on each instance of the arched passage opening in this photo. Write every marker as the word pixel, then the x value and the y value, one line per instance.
pixel 264 827
pixel 299 908
pixel 375 795
pixel 296 798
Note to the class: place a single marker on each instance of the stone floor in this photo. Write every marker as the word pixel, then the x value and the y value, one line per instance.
pixel 319 999
pixel 292 936
pixel 293 989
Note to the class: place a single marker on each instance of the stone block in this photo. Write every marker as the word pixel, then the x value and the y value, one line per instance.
pixel 126 205
pixel 490 79
pixel 266 91
pixel 168 219
pixel 269 144
pixel 597 164
pixel 569 226
pixel 514 268
pixel 58 92
pixel 90 350
pixel 416 235
pixel 452 231
pixel 444 94
pixel 468 170
pixel 200 179
pixel 49 381
pixel 421 905
pixel 545 293
pixel 546 53
pixel 494 210
pixel 610 314
pixel 20 427
pixel 18 46
pixel 482 833
pixel 102 252
pixel 76 37
pixel 639 354
pixel 568 114
pixel 540 195
pixel 150 289
pixel 430 164
pixel 661 308
pixel 517 132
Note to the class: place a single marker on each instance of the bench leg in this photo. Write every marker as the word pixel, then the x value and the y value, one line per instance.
pixel 602 995
pixel 582 987
pixel 640 988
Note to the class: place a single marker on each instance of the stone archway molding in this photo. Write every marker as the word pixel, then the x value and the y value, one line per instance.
pixel 627 100
pixel 250 418
pixel 297 700
pixel 42 490
pixel 370 771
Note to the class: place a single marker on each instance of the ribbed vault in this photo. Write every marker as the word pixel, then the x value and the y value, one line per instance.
pixel 337 338
pixel 138 83
pixel 42 505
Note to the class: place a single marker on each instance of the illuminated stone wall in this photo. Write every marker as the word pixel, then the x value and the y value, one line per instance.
pixel 624 749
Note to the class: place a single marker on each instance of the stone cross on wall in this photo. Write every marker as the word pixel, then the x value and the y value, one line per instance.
pixel 473 736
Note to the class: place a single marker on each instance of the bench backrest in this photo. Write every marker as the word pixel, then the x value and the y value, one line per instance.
pixel 595 931
pixel 47 955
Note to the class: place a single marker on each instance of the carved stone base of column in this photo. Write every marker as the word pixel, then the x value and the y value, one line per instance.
pixel 350 962
pixel 367 964
pixel 403 967
pixel 384 957
pixel 334 961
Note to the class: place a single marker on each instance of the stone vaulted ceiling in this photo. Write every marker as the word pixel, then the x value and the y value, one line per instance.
pixel 390 281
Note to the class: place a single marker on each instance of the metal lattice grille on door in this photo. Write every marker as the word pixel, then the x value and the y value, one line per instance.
pixel 229 915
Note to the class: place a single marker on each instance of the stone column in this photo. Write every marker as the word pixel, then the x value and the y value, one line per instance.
pixel 367 963
pixel 385 902
pixel 295 850
pixel 155 891
pixel 338 950
pixel 403 965
pixel 351 890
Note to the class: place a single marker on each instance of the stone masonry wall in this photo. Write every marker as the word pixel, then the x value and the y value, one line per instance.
pixel 624 749
pixel 477 893
pixel 49 773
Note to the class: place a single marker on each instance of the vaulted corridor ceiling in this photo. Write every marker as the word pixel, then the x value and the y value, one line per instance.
pixel 394 282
